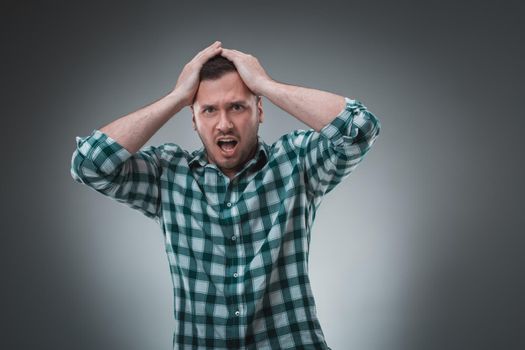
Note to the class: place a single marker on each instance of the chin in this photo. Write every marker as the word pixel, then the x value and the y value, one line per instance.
pixel 229 165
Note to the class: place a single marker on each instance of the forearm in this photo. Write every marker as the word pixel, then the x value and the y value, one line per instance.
pixel 133 130
pixel 315 108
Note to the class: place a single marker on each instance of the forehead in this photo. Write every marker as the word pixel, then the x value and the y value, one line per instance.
pixel 227 88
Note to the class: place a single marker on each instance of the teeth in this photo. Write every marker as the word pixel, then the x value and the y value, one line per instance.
pixel 225 140
pixel 226 144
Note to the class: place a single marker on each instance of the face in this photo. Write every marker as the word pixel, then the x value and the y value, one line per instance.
pixel 226 116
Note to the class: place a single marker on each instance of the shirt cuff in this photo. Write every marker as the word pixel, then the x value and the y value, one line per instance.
pixel 341 127
pixel 106 153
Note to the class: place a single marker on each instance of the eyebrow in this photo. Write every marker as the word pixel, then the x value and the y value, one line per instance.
pixel 238 102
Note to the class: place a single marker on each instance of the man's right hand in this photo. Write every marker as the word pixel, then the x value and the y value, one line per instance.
pixel 188 81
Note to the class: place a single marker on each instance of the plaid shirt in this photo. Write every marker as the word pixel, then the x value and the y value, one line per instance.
pixel 237 249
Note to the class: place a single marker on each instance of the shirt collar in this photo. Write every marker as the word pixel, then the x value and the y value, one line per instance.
pixel 199 156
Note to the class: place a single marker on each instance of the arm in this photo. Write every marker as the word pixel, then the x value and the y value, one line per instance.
pixel 315 108
pixel 132 131
pixel 110 160
pixel 102 164
pixel 331 155
pixel 344 129
pixel 135 129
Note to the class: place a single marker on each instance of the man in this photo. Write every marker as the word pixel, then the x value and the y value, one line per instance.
pixel 236 214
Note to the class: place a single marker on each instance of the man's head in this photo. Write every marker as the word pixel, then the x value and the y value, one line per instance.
pixel 226 115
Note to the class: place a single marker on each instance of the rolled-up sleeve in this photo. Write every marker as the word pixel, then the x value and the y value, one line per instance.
pixel 104 165
pixel 330 155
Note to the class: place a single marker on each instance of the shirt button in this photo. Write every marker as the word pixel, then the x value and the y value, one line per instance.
pixel 234 237
pixel 235 274
pixel 229 204
pixel 237 313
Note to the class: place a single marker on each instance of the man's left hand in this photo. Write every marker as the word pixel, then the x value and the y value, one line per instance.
pixel 249 68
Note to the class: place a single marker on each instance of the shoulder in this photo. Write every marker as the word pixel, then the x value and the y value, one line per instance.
pixel 295 141
pixel 166 153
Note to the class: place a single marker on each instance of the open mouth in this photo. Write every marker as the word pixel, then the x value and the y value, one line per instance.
pixel 227 145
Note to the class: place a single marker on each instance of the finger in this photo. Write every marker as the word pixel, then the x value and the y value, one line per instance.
pixel 229 54
pixel 209 52
pixel 239 52
pixel 212 50
pixel 212 47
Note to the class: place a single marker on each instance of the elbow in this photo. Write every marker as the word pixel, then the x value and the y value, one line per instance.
pixel 368 130
pixel 83 170
pixel 76 167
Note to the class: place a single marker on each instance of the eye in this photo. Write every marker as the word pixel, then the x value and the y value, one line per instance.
pixel 208 110
pixel 237 107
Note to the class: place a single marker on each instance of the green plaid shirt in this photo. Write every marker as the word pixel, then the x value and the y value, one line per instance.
pixel 237 249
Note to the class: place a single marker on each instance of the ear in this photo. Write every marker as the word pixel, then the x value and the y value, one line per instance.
pixel 193 118
pixel 260 110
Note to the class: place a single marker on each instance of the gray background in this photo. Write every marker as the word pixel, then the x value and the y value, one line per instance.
pixel 421 248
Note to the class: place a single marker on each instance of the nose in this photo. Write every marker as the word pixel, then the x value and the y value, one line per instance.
pixel 224 124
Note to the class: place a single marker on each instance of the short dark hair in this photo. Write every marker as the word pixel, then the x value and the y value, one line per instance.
pixel 216 67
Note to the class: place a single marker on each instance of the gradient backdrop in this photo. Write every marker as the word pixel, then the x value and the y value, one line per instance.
pixel 421 248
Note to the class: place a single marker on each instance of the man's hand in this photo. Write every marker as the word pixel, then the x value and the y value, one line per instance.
pixel 188 81
pixel 249 68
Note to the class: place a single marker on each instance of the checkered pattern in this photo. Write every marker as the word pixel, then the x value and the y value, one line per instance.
pixel 237 249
